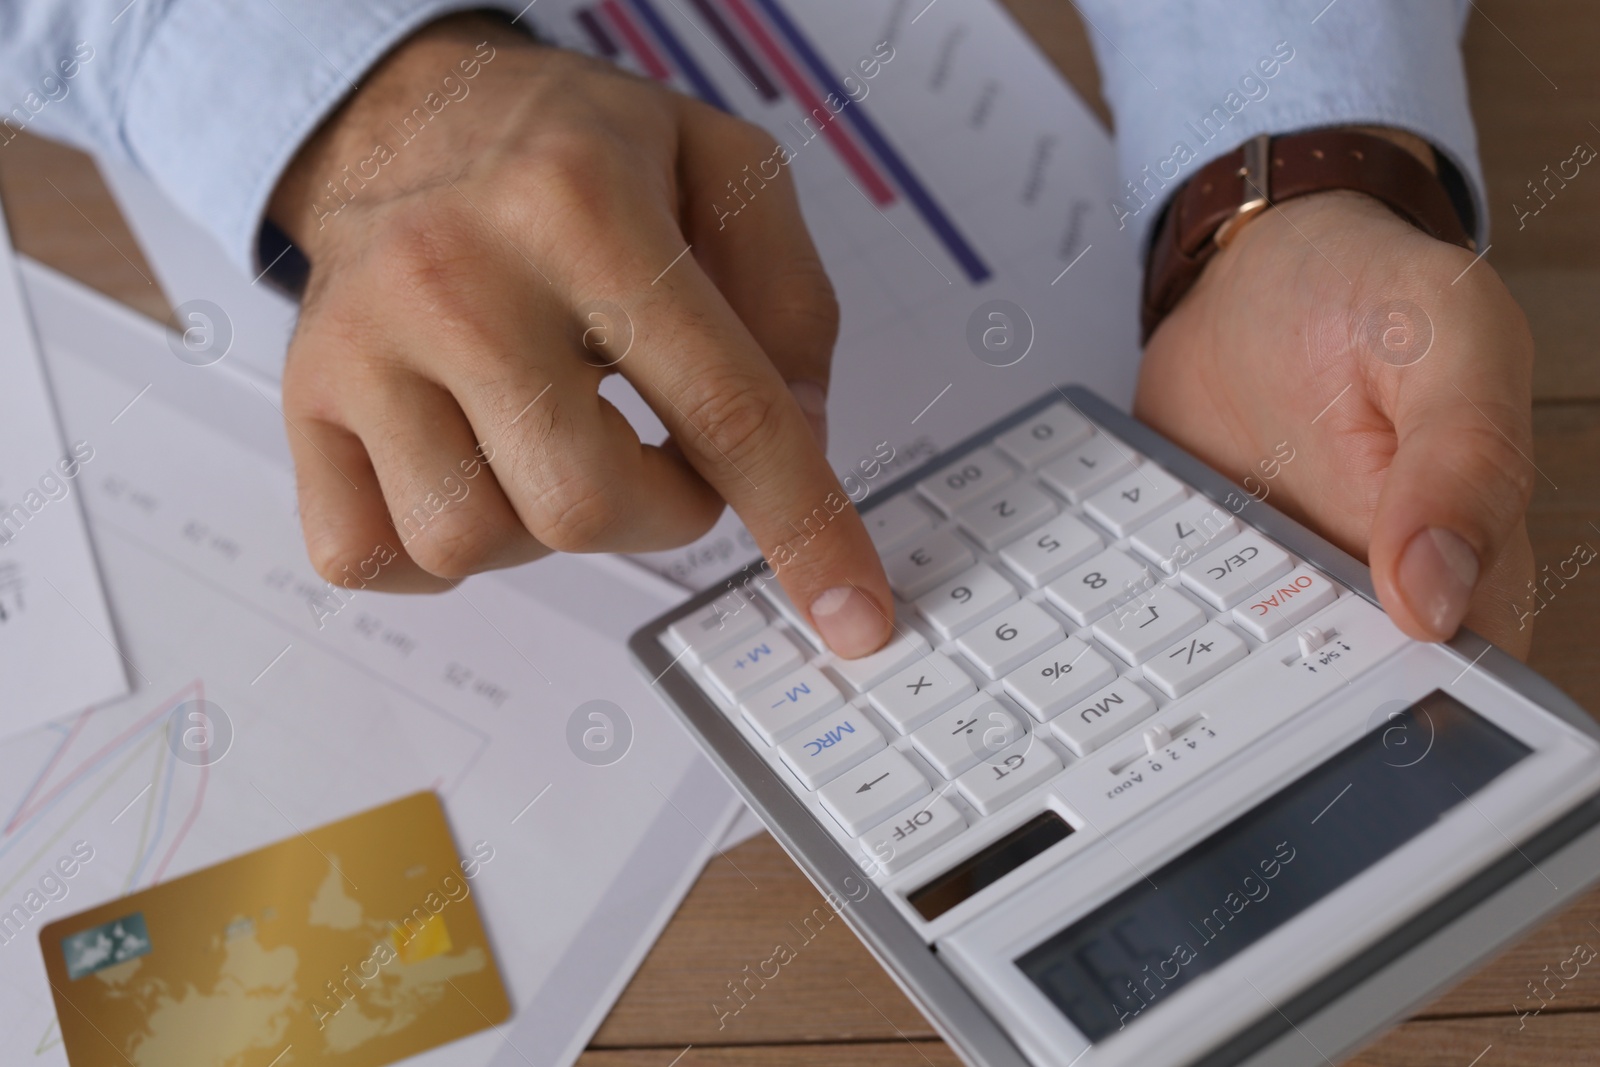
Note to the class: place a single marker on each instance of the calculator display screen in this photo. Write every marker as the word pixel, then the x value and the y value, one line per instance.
pixel 1268 865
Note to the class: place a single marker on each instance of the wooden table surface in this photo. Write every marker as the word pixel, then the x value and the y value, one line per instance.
pixel 1534 91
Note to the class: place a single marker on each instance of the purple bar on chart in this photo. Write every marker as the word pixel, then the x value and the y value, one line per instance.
pixel 736 51
pixel 685 60
pixel 597 34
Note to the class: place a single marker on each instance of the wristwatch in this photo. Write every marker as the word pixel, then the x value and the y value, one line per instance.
pixel 1215 204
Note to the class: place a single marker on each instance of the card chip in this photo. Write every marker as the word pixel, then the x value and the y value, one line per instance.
pixel 431 939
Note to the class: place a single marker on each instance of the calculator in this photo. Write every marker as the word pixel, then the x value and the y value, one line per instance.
pixel 1145 776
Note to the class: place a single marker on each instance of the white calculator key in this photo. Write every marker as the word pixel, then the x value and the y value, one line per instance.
pixel 778 597
pixel 1229 573
pixel 1047 552
pixel 999 780
pixel 1276 606
pixel 753 662
pixel 966 480
pixel 971 595
pixel 873 790
pixel 722 622
pixel 832 745
pixel 1195 659
pixel 1183 534
pixel 1006 514
pixel 1045 436
pixel 1045 685
pixel 924 562
pixel 1090 589
pixel 1134 499
pixel 1086 468
pixel 778 710
pixel 934 683
pixel 973 730
pixel 1139 629
pixel 895 521
pixel 913 833
pixel 864 673
pixel 1098 718
pixel 1010 638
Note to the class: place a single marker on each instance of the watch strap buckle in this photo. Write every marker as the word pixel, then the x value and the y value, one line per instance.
pixel 1255 171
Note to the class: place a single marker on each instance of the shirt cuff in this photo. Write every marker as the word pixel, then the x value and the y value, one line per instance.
pixel 225 94
pixel 1267 67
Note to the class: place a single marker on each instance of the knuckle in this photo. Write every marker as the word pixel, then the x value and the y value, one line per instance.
pixel 805 304
pixel 452 547
pixel 1502 478
pixel 578 172
pixel 337 353
pixel 335 558
pixel 424 258
pixel 1520 482
pixel 750 137
pixel 577 514
pixel 734 415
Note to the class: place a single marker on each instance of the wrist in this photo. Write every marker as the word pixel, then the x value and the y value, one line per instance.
pixel 353 148
pixel 1394 169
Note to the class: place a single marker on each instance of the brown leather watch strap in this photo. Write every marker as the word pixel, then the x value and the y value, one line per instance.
pixel 1264 171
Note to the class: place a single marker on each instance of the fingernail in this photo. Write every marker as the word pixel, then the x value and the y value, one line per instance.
pixel 1438 571
pixel 850 623
pixel 813 402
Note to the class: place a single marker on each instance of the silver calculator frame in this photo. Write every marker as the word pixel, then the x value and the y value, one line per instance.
pixel 1344 1008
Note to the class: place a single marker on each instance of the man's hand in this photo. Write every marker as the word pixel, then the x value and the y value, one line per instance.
pixel 493 226
pixel 1332 331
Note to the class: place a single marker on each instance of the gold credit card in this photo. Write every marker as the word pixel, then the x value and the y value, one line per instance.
pixel 355 945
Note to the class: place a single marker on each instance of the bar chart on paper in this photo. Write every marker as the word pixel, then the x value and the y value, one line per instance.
pixel 774 51
pixel 947 175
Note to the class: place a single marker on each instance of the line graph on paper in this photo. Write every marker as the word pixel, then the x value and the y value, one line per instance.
pixel 79 772
pixel 209 600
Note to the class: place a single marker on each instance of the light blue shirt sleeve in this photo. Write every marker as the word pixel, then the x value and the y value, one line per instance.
pixel 1191 80
pixel 211 99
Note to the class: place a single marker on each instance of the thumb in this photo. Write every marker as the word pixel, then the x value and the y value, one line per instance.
pixel 1457 487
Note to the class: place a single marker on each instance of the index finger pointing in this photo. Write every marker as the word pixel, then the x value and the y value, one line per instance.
pixel 739 425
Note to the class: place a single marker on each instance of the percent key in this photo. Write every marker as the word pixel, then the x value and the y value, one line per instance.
pixel 1046 685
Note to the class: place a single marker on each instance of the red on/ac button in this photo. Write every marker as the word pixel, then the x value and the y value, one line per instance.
pixel 1274 608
